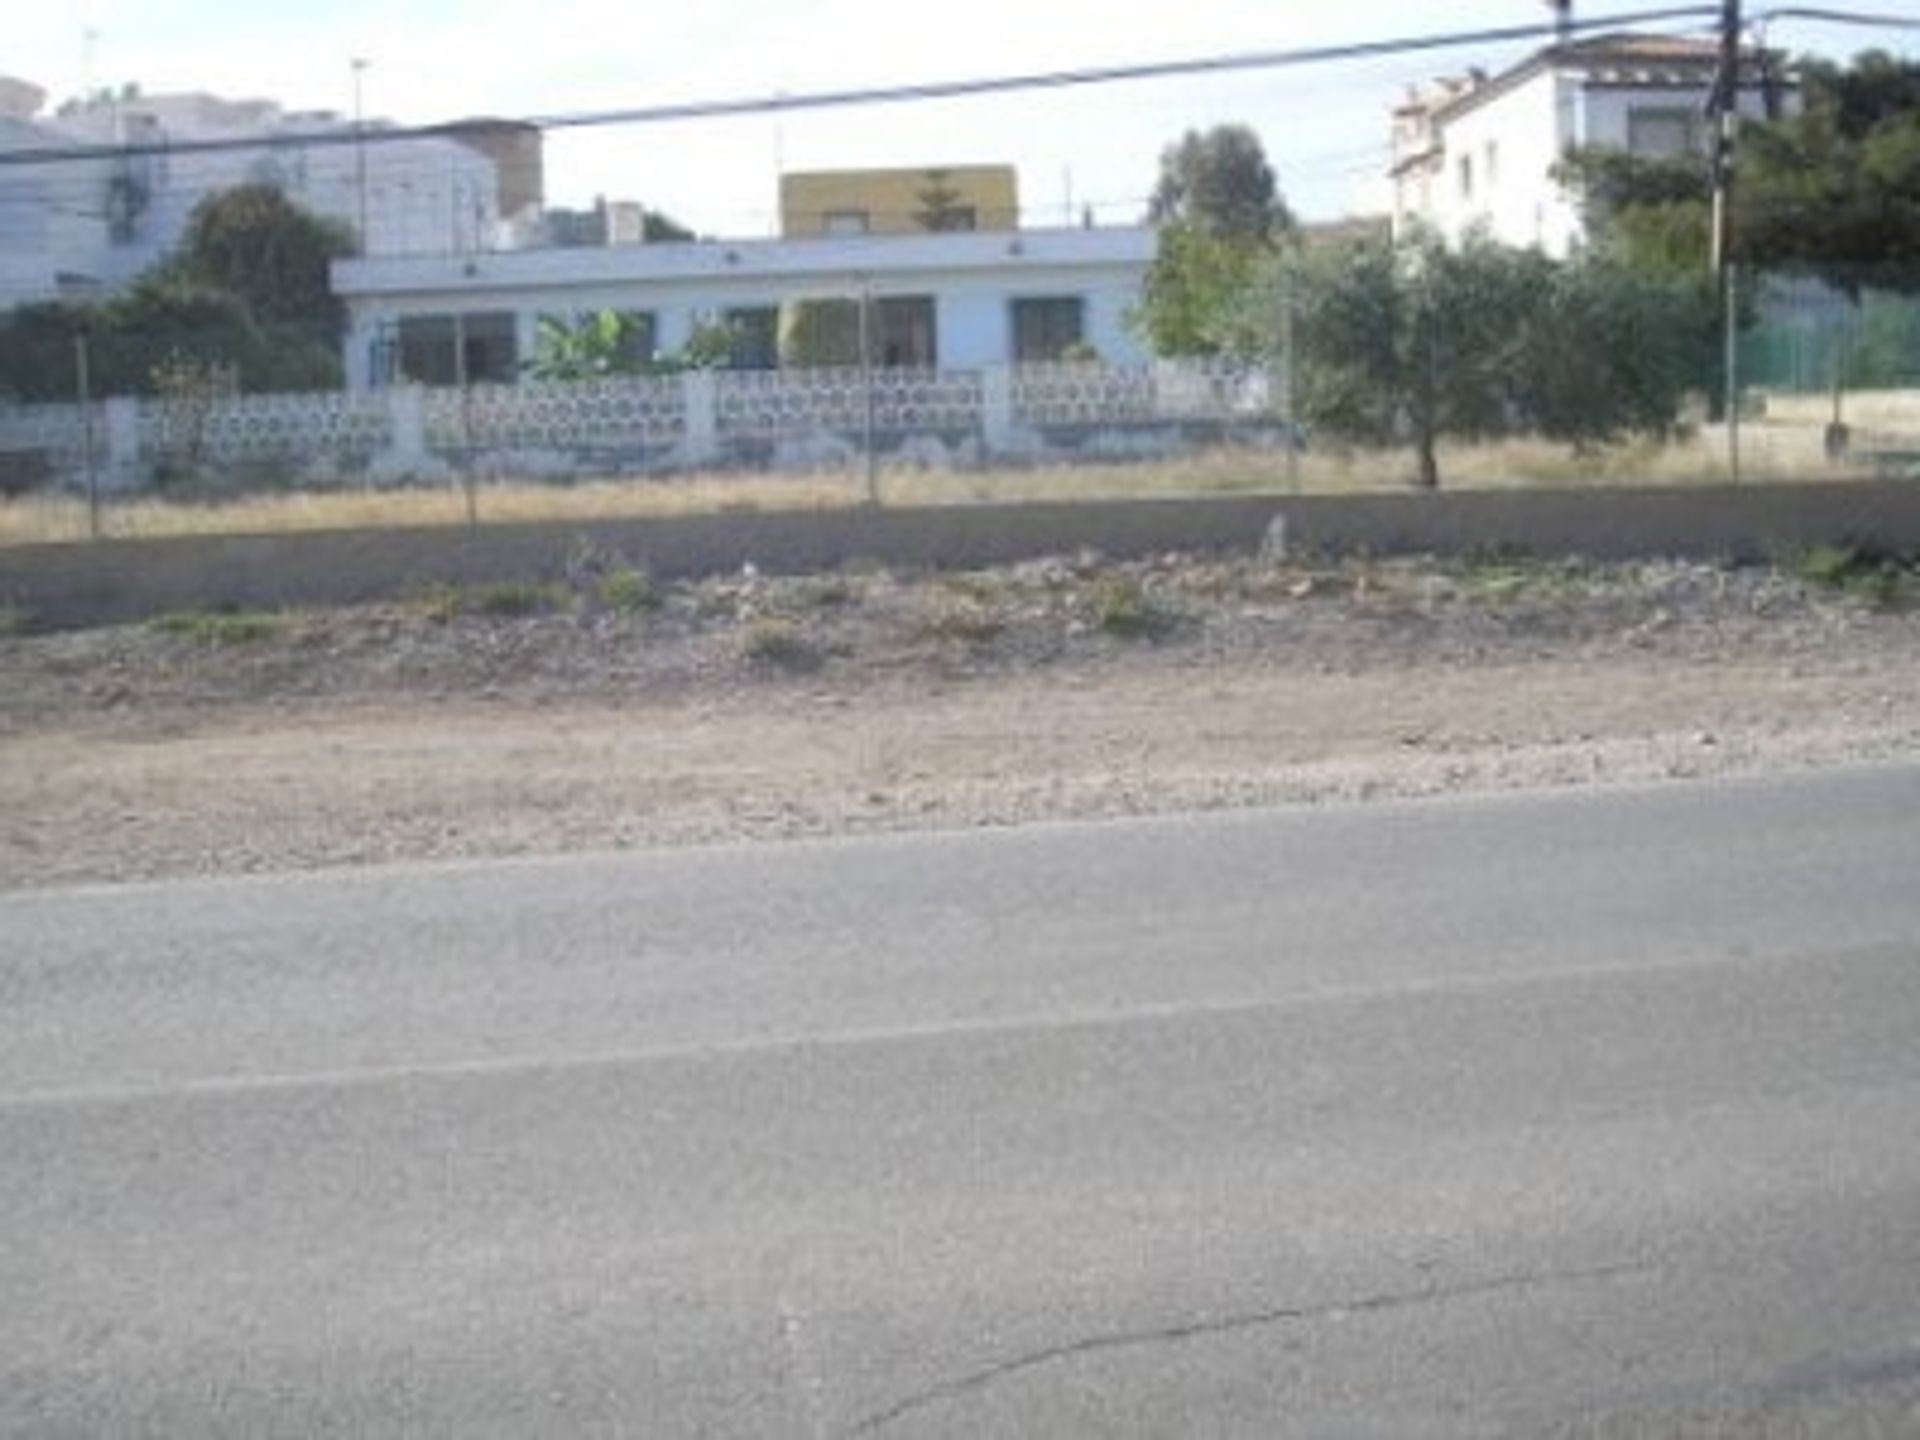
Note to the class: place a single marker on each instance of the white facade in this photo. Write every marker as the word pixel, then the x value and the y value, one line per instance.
pixel 1478 153
pixel 52 216
pixel 972 281
pixel 101 220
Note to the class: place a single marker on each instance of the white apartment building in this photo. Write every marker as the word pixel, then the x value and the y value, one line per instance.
pixel 92 223
pixel 1477 152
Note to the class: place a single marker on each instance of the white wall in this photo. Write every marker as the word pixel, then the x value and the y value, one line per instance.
pixel 1529 127
pixel 1511 143
pixel 423 196
pixel 426 196
pixel 51 218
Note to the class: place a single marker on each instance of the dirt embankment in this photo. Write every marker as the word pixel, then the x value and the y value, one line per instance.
pixel 611 713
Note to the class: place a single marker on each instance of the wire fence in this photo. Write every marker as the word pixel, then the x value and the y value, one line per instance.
pixel 213 443
pixel 1828 385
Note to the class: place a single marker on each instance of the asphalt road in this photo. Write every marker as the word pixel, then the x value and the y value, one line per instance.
pixel 1586 1113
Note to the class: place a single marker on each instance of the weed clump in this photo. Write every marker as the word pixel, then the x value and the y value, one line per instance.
pixel 966 620
pixel 218 627
pixel 498 601
pixel 628 591
pixel 1876 577
pixel 776 642
pixel 1122 607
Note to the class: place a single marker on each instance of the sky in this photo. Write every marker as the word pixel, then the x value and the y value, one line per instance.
pixel 1324 128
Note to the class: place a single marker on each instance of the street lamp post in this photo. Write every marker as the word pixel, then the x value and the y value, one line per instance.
pixel 360 148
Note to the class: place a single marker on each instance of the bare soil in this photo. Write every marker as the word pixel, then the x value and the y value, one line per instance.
pixel 754 708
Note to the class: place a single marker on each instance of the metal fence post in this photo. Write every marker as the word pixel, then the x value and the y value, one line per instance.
pixel 84 384
pixel 866 386
pixel 1289 391
pixel 1733 371
pixel 467 479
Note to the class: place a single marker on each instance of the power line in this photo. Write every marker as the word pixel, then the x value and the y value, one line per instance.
pixel 1838 17
pixel 879 95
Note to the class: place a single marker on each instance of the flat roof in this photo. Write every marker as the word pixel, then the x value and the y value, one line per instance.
pixel 838 257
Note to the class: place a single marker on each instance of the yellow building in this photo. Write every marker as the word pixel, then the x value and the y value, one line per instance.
pixel 899 202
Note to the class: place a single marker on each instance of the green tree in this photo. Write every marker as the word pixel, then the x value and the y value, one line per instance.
pixel 1218 182
pixel 1653 214
pixel 259 246
pixel 247 290
pixel 1834 191
pixel 1609 348
pixel 162 319
pixel 1192 301
pixel 1218 213
pixel 1418 342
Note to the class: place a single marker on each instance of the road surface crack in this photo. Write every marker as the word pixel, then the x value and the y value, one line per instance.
pixel 1227 1324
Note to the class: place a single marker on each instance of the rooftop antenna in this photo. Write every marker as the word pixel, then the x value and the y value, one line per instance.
pixel 778 222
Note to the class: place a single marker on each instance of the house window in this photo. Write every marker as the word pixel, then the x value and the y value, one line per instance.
pixel 952 217
pixel 492 348
pixel 1490 166
pixel 639 336
pixel 1663 134
pixel 1466 177
pixel 1045 326
pixel 846 222
pixel 904 332
pixel 755 334
pixel 487 341
pixel 426 350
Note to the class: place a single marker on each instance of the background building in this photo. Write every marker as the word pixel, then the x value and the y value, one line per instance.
pixel 95 222
pixel 1477 152
pixel 900 201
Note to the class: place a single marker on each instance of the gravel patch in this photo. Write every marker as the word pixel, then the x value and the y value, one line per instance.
pixel 609 713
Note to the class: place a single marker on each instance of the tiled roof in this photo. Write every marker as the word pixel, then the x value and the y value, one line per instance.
pixel 1605 49
pixel 1617 58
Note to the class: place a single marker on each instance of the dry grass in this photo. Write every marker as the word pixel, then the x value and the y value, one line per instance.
pixel 1897 410
pixel 1773 449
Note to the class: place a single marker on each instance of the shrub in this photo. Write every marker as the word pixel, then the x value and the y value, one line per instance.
pixel 823 592
pixel 771 640
pixel 1121 606
pixel 1878 578
pixel 507 599
pixel 629 591
pixel 1827 564
pixel 966 620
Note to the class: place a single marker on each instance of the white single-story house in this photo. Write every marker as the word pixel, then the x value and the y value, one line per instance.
pixel 950 300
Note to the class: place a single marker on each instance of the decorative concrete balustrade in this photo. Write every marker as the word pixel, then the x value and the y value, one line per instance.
pixel 701 420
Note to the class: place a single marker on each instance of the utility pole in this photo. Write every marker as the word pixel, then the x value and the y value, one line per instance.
pixel 1724 109
pixel 359 65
